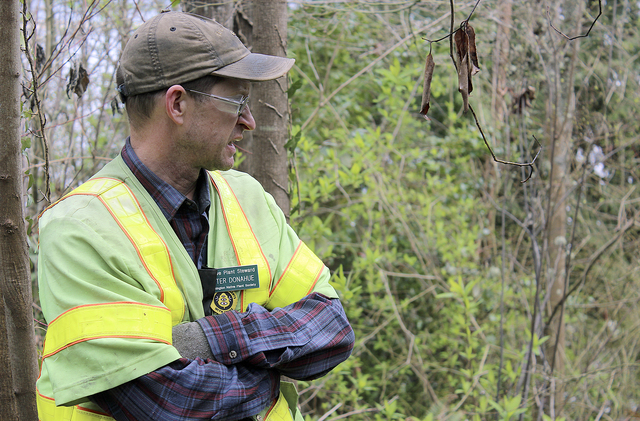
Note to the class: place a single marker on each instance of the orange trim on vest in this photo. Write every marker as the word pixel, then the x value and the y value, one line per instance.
pixel 48 411
pixel 107 320
pixel 298 279
pixel 245 244
pixel 153 252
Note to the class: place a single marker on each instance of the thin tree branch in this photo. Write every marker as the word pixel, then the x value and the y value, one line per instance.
pixel 594 258
pixel 517 164
pixel 472 11
pixel 331 411
pixel 34 81
pixel 452 32
pixel 578 36
pixel 502 285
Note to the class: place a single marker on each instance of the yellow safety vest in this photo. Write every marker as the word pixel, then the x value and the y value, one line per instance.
pixel 138 320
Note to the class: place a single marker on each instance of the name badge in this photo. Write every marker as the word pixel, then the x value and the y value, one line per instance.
pixel 237 278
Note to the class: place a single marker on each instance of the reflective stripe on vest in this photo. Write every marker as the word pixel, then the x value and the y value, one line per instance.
pixel 298 278
pixel 48 411
pixel 110 320
pixel 151 248
pixel 245 243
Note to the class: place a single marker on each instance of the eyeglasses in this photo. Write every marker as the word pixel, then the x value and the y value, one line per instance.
pixel 235 105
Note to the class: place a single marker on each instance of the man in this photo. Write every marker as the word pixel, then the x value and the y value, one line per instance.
pixel 174 289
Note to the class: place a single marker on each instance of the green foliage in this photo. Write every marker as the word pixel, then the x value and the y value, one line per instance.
pixel 399 209
pixel 394 212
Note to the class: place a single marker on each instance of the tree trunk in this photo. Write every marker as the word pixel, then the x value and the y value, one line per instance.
pixel 500 63
pixel 561 108
pixel 265 32
pixel 270 106
pixel 557 238
pixel 221 12
pixel 18 359
pixel 499 110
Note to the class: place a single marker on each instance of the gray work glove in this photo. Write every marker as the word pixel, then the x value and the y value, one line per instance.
pixel 190 341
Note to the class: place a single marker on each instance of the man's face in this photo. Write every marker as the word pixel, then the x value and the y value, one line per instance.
pixel 214 129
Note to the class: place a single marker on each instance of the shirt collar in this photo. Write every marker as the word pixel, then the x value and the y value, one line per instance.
pixel 168 198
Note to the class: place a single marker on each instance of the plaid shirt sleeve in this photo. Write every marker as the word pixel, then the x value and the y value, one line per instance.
pixel 304 340
pixel 192 390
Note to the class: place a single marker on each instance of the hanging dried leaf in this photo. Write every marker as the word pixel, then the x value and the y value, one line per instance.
pixel 426 90
pixel 78 80
pixel 39 58
pixel 462 44
pixel 523 100
pixel 464 74
pixel 469 72
pixel 473 55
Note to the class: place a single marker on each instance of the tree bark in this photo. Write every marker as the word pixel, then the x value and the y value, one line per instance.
pixel 17 340
pixel 221 12
pixel 561 108
pixel 268 162
pixel 8 401
pixel 500 63
pixel 499 110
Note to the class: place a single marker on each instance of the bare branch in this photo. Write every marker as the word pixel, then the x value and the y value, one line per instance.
pixel 517 164
pixel 452 32
pixel 36 100
pixel 578 36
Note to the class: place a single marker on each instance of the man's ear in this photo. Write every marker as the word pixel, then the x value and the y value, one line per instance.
pixel 176 104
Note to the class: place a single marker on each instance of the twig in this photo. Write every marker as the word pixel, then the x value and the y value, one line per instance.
pixel 70 158
pixel 517 164
pixel 404 328
pixel 356 412
pixel 41 118
pixel 594 258
pixel 578 36
pixel 331 411
pixel 266 104
pixel 472 10
pixel 449 35
pixel 452 32
pixel 534 320
pixel 503 236
pixel 57 51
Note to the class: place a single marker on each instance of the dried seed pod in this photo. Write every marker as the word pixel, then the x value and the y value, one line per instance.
pixel 426 90
pixel 473 55
pixel 464 75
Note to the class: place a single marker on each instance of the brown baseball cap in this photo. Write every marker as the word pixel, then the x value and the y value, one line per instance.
pixel 177 47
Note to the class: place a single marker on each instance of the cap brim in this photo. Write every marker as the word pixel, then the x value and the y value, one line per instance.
pixel 257 67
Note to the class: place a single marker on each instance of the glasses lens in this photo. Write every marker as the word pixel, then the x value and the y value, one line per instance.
pixel 227 107
pixel 232 105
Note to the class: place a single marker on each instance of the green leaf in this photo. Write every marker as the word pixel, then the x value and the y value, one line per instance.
pixel 294 87
pixel 292 143
pixel 29 225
